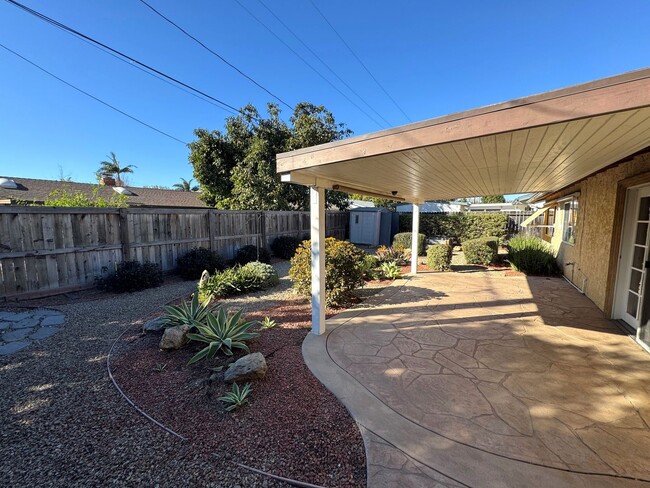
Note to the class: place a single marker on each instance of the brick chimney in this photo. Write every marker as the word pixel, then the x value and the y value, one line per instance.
pixel 107 180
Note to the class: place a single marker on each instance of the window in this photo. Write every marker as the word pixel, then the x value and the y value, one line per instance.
pixel 549 224
pixel 569 220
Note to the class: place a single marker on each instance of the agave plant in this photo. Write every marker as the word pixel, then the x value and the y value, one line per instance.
pixel 236 397
pixel 221 333
pixel 268 323
pixel 187 313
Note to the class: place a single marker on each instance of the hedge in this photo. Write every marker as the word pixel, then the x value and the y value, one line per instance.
pixel 439 257
pixel 462 226
pixel 532 256
pixel 481 251
pixel 404 239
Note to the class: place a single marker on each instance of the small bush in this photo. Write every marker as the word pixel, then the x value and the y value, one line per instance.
pixel 369 267
pixel 481 251
pixel 343 269
pixel 439 257
pixel 132 276
pixel 251 253
pixel 284 247
pixel 391 270
pixel 404 239
pixel 532 255
pixel 251 277
pixel 191 265
pixel 398 254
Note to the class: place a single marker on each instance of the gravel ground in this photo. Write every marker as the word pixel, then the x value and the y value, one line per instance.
pixel 62 422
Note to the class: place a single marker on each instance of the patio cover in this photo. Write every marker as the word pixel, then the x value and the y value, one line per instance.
pixel 535 144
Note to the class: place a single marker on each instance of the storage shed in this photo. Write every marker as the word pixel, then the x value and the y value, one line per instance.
pixel 374 226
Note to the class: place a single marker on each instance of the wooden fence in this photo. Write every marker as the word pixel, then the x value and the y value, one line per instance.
pixel 47 250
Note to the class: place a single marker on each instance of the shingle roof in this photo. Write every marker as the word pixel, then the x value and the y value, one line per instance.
pixel 32 190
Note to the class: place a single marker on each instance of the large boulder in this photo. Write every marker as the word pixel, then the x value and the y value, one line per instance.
pixel 155 325
pixel 174 337
pixel 250 367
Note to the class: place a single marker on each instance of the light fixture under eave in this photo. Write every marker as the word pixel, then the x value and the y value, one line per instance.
pixel 348 189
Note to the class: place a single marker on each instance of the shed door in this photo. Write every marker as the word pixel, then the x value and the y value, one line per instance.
pixel 364 228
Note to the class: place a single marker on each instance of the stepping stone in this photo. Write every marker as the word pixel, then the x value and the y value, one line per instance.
pixel 16 335
pixel 5 325
pixel 14 316
pixel 53 320
pixel 44 332
pixel 26 323
pixel 12 347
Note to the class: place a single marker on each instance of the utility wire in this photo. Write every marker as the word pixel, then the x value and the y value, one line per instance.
pixel 307 63
pixel 119 53
pixel 214 53
pixel 92 96
pixel 321 60
pixel 360 62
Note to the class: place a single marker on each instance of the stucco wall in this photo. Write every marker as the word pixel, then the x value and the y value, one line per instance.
pixel 595 225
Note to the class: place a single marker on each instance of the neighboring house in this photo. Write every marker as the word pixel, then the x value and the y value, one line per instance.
pixel 498 207
pixel 354 204
pixel 16 190
pixel 434 207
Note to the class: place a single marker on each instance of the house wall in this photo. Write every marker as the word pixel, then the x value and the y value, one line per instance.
pixel 590 254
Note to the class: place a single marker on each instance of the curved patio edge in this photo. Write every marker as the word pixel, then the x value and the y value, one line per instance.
pixel 399 450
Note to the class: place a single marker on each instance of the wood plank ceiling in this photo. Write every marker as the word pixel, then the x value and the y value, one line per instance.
pixel 549 142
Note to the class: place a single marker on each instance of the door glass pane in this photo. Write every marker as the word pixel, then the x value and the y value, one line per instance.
pixel 641 233
pixel 635 280
pixel 632 304
pixel 637 258
pixel 644 208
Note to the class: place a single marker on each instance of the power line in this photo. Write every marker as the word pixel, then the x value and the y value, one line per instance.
pixel 119 53
pixel 307 63
pixel 92 96
pixel 360 62
pixel 214 53
pixel 322 61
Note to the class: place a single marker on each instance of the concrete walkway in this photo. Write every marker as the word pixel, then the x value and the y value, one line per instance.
pixel 477 379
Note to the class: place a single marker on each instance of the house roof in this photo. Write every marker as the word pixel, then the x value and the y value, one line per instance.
pixel 432 207
pixel 535 144
pixel 33 190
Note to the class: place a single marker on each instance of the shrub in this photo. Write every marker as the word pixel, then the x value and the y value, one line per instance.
pixel 439 257
pixel 284 247
pixel 253 276
pixel 132 276
pixel 398 254
pixel 250 253
pixel 236 397
pixel 404 240
pixel 462 226
pixel 481 251
pixel 343 269
pixel 187 313
pixel 391 270
pixel 369 267
pixel 221 332
pixel 191 264
pixel 531 255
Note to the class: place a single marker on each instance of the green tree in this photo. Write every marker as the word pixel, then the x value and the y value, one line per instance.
pixel 493 199
pixel 236 168
pixel 185 185
pixel 113 167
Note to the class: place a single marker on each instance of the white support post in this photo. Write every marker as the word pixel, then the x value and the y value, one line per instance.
pixel 317 210
pixel 414 238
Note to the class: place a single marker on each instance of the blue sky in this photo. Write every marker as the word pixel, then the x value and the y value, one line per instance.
pixel 434 58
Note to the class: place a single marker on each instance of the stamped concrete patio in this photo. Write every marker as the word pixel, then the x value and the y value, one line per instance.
pixel 477 379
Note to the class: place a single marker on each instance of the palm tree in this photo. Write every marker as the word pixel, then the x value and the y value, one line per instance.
pixel 113 167
pixel 185 185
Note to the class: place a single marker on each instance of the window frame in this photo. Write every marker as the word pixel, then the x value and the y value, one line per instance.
pixel 548 230
pixel 570 219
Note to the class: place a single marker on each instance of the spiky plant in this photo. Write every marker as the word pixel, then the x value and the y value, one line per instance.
pixel 187 313
pixel 221 333
pixel 391 270
pixel 268 323
pixel 236 397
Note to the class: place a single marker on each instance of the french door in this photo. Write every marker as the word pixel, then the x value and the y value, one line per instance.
pixel 633 283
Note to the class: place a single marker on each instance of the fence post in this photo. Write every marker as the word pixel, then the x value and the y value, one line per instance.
pixel 212 229
pixel 125 237
pixel 262 223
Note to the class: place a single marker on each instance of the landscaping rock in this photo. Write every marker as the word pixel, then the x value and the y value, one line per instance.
pixel 250 367
pixel 174 337
pixel 155 325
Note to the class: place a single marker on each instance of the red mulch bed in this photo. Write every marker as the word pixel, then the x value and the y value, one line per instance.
pixel 292 427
